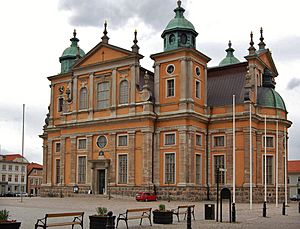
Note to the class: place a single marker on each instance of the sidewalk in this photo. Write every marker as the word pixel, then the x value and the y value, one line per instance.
pixel 31 209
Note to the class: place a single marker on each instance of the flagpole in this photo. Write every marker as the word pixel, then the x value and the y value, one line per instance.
pixel 250 148
pixel 265 156
pixel 277 163
pixel 285 167
pixel 22 171
pixel 233 146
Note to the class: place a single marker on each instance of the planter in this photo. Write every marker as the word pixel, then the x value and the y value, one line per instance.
pixel 98 222
pixel 10 225
pixel 161 217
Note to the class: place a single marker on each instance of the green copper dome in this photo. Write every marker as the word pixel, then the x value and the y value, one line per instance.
pixel 179 33
pixel 230 58
pixel 268 97
pixel 71 54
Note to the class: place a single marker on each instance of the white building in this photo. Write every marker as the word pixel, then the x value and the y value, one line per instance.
pixel 13 173
pixel 294 179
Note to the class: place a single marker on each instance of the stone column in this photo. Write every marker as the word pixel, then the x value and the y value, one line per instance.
pixel 51 110
pixel 229 157
pixel 190 157
pixel 183 79
pixel 147 157
pixel 209 178
pixel 89 157
pixel 73 160
pixel 134 72
pixel 62 159
pixel 74 100
pixel 156 86
pixel 113 157
pixel 246 133
pixel 49 163
pixel 182 157
pixel 259 180
pixel 156 159
pixel 45 162
pixel 91 96
pixel 131 158
pixel 205 86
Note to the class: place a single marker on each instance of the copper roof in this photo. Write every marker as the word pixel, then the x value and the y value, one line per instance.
pixel 224 82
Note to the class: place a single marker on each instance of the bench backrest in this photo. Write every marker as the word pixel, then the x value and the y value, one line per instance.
pixel 139 210
pixel 64 214
pixel 186 206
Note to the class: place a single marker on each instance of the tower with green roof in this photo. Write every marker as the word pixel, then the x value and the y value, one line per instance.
pixel 230 58
pixel 179 33
pixel 71 54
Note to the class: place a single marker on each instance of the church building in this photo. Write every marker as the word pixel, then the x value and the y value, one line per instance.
pixel 114 127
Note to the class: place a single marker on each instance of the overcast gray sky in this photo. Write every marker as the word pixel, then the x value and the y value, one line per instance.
pixel 34 34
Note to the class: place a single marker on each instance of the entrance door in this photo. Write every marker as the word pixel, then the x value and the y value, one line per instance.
pixel 101 180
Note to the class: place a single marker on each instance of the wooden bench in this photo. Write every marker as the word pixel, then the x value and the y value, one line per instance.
pixel 133 214
pixel 183 209
pixel 77 220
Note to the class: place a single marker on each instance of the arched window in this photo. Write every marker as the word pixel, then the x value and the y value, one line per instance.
pixel 83 99
pixel 124 92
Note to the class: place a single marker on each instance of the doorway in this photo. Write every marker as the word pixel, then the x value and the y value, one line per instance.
pixel 101 181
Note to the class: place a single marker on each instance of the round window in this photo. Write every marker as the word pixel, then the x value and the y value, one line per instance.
pixel 101 141
pixel 172 39
pixel 183 38
pixel 170 68
pixel 198 72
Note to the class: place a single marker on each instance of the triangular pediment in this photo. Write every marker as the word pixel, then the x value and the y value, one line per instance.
pixel 103 53
pixel 266 58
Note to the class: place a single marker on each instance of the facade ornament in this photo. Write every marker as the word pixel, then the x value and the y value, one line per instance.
pixel 251 48
pixel 135 48
pixel 261 44
pixel 61 90
pixel 105 38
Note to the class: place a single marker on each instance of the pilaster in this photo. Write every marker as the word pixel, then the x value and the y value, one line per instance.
pixel 182 158
pixel 62 159
pixel 134 73
pixel 156 159
pixel 131 159
pixel 91 96
pixel 49 163
pixel 73 160
pixel 147 157
pixel 114 92
pixel 113 157
pixel 45 162
pixel 89 157
pixel 156 87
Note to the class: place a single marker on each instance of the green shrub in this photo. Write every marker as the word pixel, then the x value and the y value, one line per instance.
pixel 101 210
pixel 4 215
pixel 162 207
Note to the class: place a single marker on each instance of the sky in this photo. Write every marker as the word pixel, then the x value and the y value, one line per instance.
pixel 34 34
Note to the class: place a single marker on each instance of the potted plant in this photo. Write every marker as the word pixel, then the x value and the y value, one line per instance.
pixel 162 216
pixel 5 223
pixel 99 220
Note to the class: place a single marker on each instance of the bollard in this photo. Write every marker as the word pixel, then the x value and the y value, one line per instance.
pixel 233 213
pixel 265 209
pixel 110 221
pixel 283 208
pixel 189 219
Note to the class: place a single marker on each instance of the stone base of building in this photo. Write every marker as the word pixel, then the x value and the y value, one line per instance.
pixel 189 193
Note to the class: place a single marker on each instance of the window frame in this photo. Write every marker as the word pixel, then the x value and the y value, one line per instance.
pixel 198 135
pixel 118 168
pixel 164 169
pixel 167 88
pixel 98 97
pixel 57 148
pixel 57 171
pixel 83 103
pixel 268 136
pixel 118 140
pixel 121 95
pixel 80 139
pixel 222 172
pixel 216 136
pixel 60 104
pixel 84 170
pixel 198 82
pixel 198 181
pixel 272 170
pixel 170 133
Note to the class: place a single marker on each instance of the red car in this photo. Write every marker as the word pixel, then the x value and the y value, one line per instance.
pixel 145 196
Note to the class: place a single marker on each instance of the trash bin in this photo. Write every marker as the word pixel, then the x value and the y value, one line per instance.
pixel 209 211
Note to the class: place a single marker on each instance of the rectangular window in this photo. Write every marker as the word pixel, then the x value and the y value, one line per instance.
pixel 103 95
pixel 81 169
pixel 122 140
pixel 10 167
pixel 16 178
pixel 270 141
pixel 9 178
pixel 3 167
pixel 170 87
pixel 23 168
pixel 16 168
pixel 82 143
pixel 170 139
pixel 197 89
pixel 198 139
pixel 57 147
pixel 269 169
pixel 22 179
pixel 219 141
pixel 122 169
pixel 16 188
pixel 57 166
pixel 60 104
pixel 219 163
pixel 3 177
pixel 170 168
pixel 298 179
pixel 198 169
